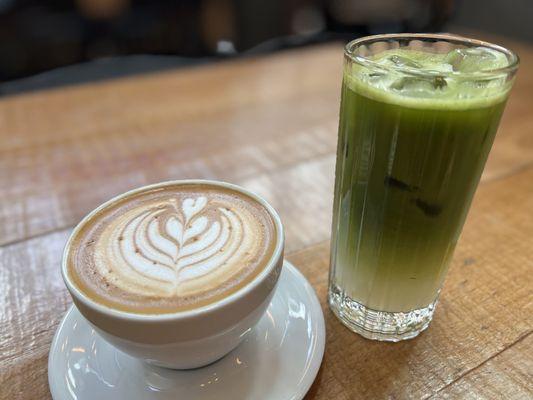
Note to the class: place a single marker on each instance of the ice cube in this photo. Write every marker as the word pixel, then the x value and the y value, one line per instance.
pixel 475 59
pixel 395 60
pixel 377 78
pixel 402 62
pixel 418 87
pixel 443 68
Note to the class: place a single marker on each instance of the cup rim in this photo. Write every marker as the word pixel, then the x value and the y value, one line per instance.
pixel 195 312
pixel 511 68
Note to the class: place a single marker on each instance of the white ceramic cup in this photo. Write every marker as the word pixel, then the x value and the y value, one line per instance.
pixel 186 339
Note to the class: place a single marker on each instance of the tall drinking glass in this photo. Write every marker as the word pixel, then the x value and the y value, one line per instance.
pixel 418 117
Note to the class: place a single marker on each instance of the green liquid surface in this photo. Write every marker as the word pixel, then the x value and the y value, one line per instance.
pixel 408 164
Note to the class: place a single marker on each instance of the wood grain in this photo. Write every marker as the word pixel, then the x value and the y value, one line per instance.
pixel 65 151
pixel 508 375
pixel 268 124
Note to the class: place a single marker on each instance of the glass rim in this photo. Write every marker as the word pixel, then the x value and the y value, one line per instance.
pixel 509 69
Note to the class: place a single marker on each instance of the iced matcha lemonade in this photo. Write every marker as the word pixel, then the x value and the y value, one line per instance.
pixel 416 126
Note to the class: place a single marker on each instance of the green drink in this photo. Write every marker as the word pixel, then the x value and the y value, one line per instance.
pixel 416 126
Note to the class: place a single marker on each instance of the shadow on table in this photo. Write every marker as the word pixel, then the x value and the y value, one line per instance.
pixel 122 66
pixel 101 69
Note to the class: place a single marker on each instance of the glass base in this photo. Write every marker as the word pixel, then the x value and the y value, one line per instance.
pixel 379 325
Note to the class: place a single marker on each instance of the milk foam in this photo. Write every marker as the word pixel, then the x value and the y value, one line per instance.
pixel 157 250
pixel 173 250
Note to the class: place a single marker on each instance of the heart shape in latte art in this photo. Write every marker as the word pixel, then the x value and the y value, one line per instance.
pixel 159 248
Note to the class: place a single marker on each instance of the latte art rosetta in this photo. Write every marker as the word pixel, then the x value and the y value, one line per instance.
pixel 171 247
pixel 176 247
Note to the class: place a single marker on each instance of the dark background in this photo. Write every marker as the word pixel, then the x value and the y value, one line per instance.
pixel 81 40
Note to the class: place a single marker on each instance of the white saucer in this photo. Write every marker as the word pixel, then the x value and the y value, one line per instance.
pixel 278 360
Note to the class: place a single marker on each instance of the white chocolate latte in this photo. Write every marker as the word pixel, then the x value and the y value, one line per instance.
pixel 171 248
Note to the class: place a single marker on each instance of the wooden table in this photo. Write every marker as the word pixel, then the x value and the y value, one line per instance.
pixel 268 124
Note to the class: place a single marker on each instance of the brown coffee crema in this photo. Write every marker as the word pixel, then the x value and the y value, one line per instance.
pixel 171 248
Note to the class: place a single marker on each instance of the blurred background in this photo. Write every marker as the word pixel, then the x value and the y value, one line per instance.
pixel 57 42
